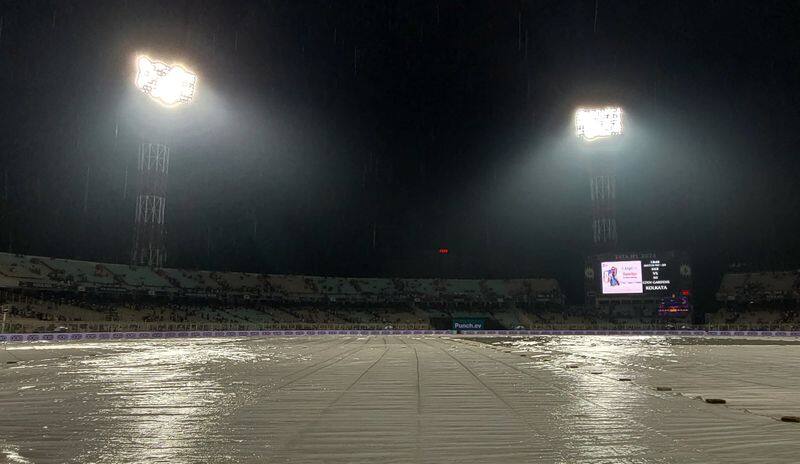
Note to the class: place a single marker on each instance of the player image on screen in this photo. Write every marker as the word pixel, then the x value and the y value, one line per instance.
pixel 622 277
pixel 611 277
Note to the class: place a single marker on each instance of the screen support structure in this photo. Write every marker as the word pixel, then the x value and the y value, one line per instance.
pixel 149 236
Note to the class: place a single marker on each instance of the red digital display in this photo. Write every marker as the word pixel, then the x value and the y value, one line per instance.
pixel 444 251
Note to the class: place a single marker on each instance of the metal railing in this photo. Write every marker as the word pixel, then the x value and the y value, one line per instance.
pixel 138 326
pixel 665 326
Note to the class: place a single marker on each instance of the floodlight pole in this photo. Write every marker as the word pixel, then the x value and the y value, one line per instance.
pixel 149 236
pixel 598 129
pixel 169 85
pixel 603 195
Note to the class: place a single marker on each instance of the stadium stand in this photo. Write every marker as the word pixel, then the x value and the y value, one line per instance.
pixel 760 286
pixel 754 300
pixel 44 293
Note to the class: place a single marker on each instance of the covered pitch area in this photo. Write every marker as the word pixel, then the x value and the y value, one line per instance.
pixel 401 399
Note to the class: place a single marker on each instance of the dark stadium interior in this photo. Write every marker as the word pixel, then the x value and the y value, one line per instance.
pixel 400 231
pixel 357 138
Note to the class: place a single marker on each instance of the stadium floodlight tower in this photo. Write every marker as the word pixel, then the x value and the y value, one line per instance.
pixel 597 128
pixel 169 85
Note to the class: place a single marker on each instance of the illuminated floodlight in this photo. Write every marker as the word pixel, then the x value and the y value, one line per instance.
pixel 166 84
pixel 597 123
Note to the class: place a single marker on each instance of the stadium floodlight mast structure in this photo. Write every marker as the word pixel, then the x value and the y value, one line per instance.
pixel 594 127
pixel 169 85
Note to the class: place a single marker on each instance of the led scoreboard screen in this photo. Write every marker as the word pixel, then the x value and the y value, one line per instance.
pixel 621 277
pixel 630 277
pixel 639 274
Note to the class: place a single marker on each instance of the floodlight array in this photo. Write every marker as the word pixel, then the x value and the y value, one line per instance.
pixel 595 123
pixel 169 85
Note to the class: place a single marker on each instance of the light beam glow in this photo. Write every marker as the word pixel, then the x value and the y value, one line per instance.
pixel 597 123
pixel 169 85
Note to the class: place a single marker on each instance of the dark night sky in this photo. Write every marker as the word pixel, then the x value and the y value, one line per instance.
pixel 358 137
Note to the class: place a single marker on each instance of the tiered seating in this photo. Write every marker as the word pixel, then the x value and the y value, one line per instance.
pixel 17 271
pixel 284 316
pixel 542 285
pixel 493 289
pixel 133 276
pixel 729 286
pixel 517 287
pixel 20 267
pixel 179 278
pixel 759 286
pixel 463 287
pixel 242 281
pixel 334 286
pixel 291 285
pixel 773 285
pixel 753 318
pixel 384 287
pixel 510 318
pixel 208 280
pixel 79 271
pixel 422 287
